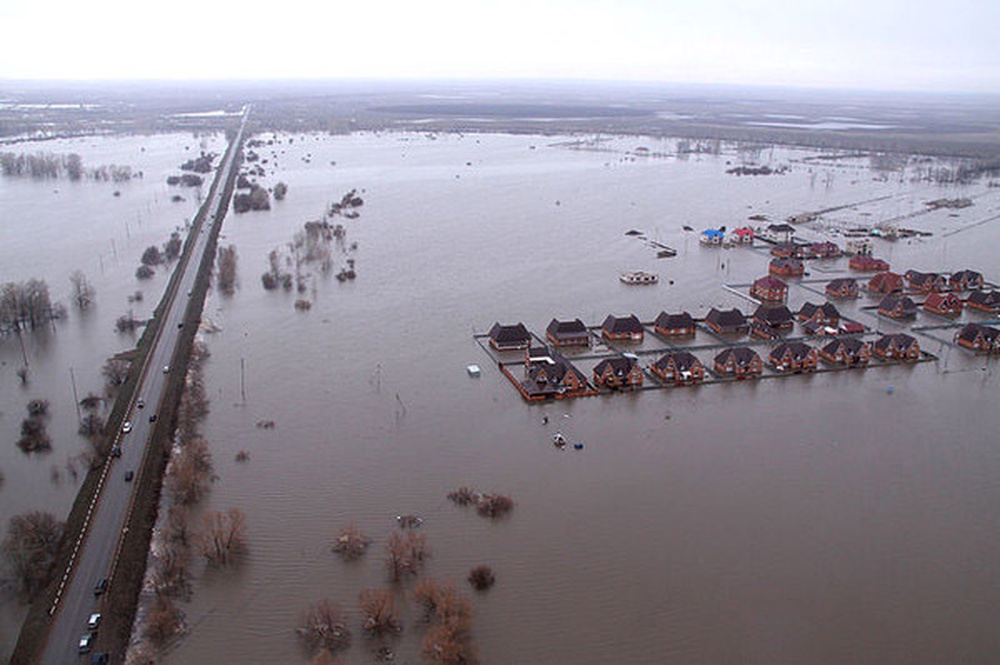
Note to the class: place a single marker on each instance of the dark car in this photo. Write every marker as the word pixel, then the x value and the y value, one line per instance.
pixel 101 586
pixel 152 418
pixel 102 658
pixel 116 450
pixel 129 475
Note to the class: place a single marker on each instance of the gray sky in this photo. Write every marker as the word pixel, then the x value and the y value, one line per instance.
pixel 877 44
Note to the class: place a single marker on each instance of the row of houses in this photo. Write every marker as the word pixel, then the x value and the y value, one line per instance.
pixel 898 306
pixel 548 374
pixel 979 338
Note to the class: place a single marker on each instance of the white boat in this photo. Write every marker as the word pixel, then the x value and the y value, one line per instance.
pixel 639 277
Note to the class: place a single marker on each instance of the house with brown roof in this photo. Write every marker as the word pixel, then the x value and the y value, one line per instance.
pixel 849 351
pixel 793 357
pixel 771 318
pixel 622 328
pixel 986 301
pixel 944 304
pixel 965 280
pixel 787 250
pixel 739 361
pixel 618 372
pixel 824 250
pixel 769 289
pixel 819 315
pixel 509 337
pixel 786 267
pixel 897 346
pixel 844 287
pixel 885 283
pixel 866 263
pixel 979 338
pixel 897 307
pixel 674 325
pixel 679 367
pixel 727 321
pixel 925 282
pixel 550 375
pixel 568 333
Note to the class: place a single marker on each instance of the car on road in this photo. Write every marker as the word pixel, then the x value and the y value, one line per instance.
pixel 94 621
pixel 152 418
pixel 116 450
pixel 86 643
pixel 140 403
pixel 127 427
pixel 166 369
pixel 102 658
pixel 101 586
pixel 129 475
pixel 180 325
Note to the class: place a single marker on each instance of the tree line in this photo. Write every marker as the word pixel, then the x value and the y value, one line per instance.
pixel 46 165
pixel 27 305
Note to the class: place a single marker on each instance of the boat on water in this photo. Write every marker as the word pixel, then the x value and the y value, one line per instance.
pixel 559 440
pixel 639 277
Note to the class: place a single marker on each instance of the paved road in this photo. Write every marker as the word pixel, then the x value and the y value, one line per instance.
pixel 95 556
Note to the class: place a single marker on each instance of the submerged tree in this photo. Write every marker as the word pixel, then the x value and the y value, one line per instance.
pixel 323 627
pixel 227 269
pixel 223 538
pixel 30 550
pixel 83 292
pixel 378 611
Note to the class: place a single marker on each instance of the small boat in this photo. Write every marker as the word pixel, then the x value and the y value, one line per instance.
pixel 639 277
pixel 577 446
pixel 559 440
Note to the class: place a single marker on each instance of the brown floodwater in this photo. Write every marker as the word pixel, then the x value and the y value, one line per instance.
pixel 807 519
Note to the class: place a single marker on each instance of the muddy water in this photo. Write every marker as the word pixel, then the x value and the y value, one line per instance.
pixel 806 519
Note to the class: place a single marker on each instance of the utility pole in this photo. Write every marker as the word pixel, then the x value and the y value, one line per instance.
pixel 243 384
pixel 76 397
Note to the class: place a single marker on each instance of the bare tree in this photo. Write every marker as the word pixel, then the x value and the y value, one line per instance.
pixel 448 640
pixel 323 627
pixel 405 554
pixel 223 539
pixel 164 620
pixel 351 543
pixel 227 269
pixel 378 611
pixel 115 372
pixel 30 550
pixel 83 291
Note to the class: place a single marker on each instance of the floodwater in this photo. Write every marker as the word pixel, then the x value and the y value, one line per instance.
pixel 807 519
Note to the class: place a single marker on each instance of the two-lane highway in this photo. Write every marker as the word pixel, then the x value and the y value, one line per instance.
pixel 95 554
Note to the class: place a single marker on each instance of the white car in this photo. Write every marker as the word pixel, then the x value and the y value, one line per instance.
pixel 127 427
pixel 86 643
pixel 166 369
pixel 94 621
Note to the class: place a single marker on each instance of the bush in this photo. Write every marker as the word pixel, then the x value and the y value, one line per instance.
pixel 144 272
pixel 481 577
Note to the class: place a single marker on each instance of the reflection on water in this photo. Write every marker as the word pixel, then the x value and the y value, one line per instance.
pixel 809 519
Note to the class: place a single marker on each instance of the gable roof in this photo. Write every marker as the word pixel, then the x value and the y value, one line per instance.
pixel 572 328
pixel 899 340
pixel 682 360
pixel 776 315
pixel 798 350
pixel 509 333
pixel 620 366
pixel 971 331
pixel 892 301
pixel 841 282
pixel 726 318
pixel 622 324
pixel 851 345
pixel 670 321
pixel 742 355
pixel 769 282
pixel 808 310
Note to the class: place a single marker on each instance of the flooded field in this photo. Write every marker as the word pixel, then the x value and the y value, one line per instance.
pixel 810 519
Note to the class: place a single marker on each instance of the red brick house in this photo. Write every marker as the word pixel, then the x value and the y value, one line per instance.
pixel 550 375
pixel 945 304
pixel 897 307
pixel 786 267
pixel 819 315
pixel 926 282
pixel 866 263
pixel 793 357
pixel 885 283
pixel 769 289
pixel 568 333
pixel 787 250
pixel 965 280
pixel 679 367
pixel 986 301
pixel 618 373
pixel 980 338
pixel 509 337
pixel 740 362
pixel 727 321
pixel 845 287
pixel 623 328
pixel 824 250
pixel 897 346
pixel 849 351
pixel 674 325
pixel 772 317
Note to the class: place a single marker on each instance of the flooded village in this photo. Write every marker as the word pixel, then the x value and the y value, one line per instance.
pixel 775 364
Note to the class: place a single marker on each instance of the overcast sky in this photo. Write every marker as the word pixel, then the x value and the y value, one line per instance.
pixel 872 44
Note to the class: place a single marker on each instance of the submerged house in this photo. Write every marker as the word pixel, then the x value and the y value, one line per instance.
pixel 770 320
pixel 550 375
pixel 844 287
pixel 680 367
pixel 786 267
pixel 769 289
pixel 744 235
pixel 712 237
pixel 897 307
pixel 867 263
pixel 849 351
pixel 824 250
pixel 885 283
pixel 987 301
pixel 618 373
pixel 787 250
pixel 509 337
pixel 897 346
pixel 623 328
pixel 739 361
pixel 819 315
pixel 674 324
pixel 793 357
pixel 976 337
pixel 945 304
pixel 925 282
pixel 965 280
pixel 779 232
pixel 727 321
pixel 568 333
